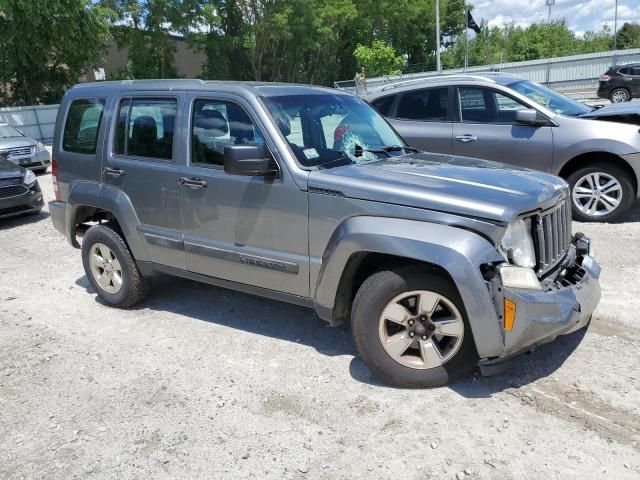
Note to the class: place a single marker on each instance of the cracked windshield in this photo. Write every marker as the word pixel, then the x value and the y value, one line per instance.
pixel 331 130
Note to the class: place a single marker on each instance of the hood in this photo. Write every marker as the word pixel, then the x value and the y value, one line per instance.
pixel 460 185
pixel 10 170
pixel 614 110
pixel 15 142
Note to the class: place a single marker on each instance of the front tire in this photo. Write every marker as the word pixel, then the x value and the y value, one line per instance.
pixel 600 193
pixel 111 269
pixel 619 95
pixel 410 327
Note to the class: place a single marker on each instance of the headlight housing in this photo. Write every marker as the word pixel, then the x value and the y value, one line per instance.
pixel 29 178
pixel 40 147
pixel 517 246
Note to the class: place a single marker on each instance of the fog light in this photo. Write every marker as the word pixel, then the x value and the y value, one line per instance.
pixel 519 277
pixel 509 314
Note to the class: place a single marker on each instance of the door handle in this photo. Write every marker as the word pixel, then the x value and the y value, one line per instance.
pixel 466 138
pixel 113 172
pixel 192 182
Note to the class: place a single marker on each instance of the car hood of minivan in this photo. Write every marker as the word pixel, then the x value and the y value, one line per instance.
pixel 10 170
pixel 460 185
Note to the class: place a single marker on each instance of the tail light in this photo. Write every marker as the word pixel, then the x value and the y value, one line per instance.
pixel 605 78
pixel 54 178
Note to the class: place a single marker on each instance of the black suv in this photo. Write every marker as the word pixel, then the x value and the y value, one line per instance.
pixel 620 83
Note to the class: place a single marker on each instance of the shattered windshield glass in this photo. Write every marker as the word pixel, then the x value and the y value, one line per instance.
pixel 326 130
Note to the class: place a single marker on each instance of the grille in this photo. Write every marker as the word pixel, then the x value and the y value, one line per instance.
pixel 20 151
pixel 13 191
pixel 551 232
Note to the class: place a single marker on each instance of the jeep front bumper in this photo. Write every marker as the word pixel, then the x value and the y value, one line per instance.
pixel 566 302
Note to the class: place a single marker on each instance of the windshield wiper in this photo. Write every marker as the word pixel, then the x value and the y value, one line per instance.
pixel 339 161
pixel 397 148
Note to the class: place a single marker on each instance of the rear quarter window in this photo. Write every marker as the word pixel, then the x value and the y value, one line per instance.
pixel 82 125
pixel 383 105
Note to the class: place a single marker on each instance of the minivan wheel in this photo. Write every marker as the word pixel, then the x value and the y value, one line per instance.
pixel 410 328
pixel 110 267
pixel 619 95
pixel 600 193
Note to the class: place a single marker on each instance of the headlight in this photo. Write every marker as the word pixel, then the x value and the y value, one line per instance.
pixel 516 246
pixel 40 147
pixel 29 178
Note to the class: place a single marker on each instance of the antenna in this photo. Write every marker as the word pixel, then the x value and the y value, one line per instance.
pixel 549 3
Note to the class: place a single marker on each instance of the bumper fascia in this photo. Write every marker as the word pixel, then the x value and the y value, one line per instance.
pixel 30 202
pixel 58 213
pixel 543 315
pixel 633 159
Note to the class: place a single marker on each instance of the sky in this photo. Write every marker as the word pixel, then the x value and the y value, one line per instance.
pixel 581 15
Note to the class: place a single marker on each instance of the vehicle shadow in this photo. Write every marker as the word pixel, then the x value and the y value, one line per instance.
pixel 291 323
pixel 631 215
pixel 521 371
pixel 241 311
pixel 25 219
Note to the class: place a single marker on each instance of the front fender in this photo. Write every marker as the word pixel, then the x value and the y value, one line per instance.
pixel 112 200
pixel 459 252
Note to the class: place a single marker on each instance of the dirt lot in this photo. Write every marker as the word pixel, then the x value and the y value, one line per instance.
pixel 201 382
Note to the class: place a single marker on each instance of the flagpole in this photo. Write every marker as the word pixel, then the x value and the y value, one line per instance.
pixel 438 67
pixel 466 40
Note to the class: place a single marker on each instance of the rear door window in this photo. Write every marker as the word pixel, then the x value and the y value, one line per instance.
pixel 82 125
pixel 425 105
pixel 383 105
pixel 146 127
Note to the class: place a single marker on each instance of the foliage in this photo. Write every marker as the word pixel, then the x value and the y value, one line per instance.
pixel 629 36
pixel 46 46
pixel 379 59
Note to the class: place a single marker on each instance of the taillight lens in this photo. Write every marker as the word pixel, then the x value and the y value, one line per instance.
pixel 54 178
pixel 605 78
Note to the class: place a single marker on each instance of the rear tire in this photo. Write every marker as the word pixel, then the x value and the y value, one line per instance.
pixel 111 269
pixel 620 95
pixel 585 184
pixel 430 359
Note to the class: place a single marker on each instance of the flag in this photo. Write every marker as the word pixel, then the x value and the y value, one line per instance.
pixel 471 23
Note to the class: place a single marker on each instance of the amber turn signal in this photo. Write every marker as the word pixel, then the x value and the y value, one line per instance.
pixel 509 314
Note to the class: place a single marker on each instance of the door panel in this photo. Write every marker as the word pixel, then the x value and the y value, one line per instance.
pixel 427 136
pixel 142 166
pixel 487 131
pixel 252 230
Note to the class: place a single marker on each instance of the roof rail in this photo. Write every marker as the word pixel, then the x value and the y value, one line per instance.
pixel 435 79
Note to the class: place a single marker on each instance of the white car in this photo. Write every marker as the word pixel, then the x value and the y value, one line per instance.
pixel 23 150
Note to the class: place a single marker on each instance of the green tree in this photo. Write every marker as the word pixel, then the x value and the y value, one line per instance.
pixel 45 47
pixel 629 36
pixel 379 59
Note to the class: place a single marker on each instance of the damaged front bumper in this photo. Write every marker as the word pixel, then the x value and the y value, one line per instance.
pixel 564 303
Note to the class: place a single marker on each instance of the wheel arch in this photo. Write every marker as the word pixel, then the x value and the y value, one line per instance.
pixel 92 202
pixel 592 158
pixel 364 245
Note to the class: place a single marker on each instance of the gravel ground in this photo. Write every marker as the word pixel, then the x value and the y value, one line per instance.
pixel 200 382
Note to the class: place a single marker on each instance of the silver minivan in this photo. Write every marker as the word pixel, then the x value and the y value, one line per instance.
pixel 503 117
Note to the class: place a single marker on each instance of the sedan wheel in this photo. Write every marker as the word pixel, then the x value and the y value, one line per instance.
pixel 597 194
pixel 105 268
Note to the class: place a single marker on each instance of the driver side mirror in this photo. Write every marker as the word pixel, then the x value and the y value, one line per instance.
pixel 249 160
pixel 528 117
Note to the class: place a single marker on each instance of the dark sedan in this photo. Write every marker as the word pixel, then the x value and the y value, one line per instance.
pixel 19 190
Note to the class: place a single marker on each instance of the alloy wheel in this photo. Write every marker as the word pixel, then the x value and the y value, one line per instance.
pixel 597 194
pixel 619 96
pixel 105 268
pixel 421 329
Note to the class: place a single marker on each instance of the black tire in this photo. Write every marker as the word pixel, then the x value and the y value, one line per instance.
pixel 370 301
pixel 628 191
pixel 134 285
pixel 621 91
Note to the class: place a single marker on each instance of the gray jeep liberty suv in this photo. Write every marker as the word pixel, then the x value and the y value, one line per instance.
pixel 307 195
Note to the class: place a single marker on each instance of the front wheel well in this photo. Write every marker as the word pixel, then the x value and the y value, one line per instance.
pixel 591 158
pixel 362 265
